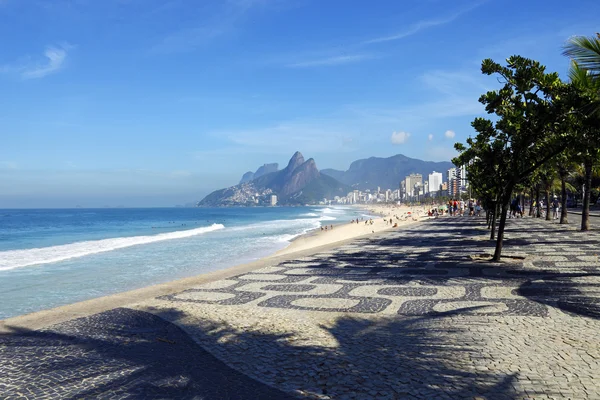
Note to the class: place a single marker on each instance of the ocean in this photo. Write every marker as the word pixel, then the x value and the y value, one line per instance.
pixel 53 257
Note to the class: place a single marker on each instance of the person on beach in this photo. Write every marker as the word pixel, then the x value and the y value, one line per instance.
pixel 450 207
pixel 555 205
pixel 513 209
pixel 519 210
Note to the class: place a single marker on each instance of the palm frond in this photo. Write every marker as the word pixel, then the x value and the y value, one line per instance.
pixel 580 76
pixel 586 51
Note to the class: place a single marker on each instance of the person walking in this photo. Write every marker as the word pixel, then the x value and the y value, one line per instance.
pixel 555 205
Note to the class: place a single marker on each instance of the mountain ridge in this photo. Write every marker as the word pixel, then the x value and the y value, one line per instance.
pixel 262 170
pixel 373 172
pixel 300 182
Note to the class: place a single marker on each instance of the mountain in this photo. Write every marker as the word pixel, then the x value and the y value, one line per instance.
pixel 265 169
pixel 300 182
pixel 386 173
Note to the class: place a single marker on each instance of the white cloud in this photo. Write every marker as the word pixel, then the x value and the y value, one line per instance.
pixel 211 26
pixel 430 137
pixel 329 61
pixel 284 138
pixel 421 25
pixel 454 82
pixel 54 61
pixel 449 134
pixel 399 137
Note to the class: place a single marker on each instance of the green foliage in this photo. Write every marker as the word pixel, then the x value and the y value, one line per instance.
pixel 529 130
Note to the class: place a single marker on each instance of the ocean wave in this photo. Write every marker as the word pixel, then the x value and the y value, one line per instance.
pixel 277 224
pixel 22 258
pixel 326 218
pixel 309 215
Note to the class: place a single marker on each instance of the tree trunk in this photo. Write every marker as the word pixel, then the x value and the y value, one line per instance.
pixel 547 192
pixel 585 212
pixel 563 199
pixel 498 251
pixel 537 201
pixel 494 216
pixel 531 202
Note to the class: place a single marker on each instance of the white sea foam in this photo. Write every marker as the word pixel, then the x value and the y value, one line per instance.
pixel 328 210
pixel 326 218
pixel 22 258
pixel 309 215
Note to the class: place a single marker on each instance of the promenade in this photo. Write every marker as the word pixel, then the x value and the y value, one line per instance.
pixel 413 313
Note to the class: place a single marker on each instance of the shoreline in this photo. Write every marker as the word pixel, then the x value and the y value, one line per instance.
pixel 345 230
pixel 305 245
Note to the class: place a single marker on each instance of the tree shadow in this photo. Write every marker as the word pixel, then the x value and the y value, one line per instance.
pixel 438 256
pixel 389 358
pixel 121 353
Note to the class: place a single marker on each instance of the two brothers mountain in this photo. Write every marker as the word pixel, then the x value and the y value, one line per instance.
pixel 300 182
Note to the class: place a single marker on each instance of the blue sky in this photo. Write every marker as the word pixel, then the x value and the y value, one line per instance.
pixel 157 102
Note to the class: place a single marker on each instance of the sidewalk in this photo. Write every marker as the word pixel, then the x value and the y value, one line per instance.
pixel 405 314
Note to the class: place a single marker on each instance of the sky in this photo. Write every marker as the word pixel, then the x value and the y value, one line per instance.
pixel 159 102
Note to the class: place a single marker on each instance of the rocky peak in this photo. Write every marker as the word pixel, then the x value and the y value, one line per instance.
pixel 296 160
pixel 247 177
pixel 266 169
pixel 302 176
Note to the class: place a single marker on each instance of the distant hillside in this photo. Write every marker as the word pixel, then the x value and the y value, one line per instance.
pixel 265 169
pixel 385 172
pixel 298 183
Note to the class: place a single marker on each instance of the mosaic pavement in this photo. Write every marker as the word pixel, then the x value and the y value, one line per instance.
pixel 412 314
pixel 400 275
pixel 405 314
pixel 118 354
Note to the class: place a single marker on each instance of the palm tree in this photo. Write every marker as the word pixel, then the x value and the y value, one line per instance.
pixel 586 52
pixel 588 121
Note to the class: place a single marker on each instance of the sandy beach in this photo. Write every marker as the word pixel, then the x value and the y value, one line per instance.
pixel 399 214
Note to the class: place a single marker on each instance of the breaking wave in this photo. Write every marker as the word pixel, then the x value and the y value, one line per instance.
pixel 22 258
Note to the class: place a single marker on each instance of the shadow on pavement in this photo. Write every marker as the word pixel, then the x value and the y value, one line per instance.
pixel 120 353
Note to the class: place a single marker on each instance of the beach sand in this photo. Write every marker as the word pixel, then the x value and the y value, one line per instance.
pixel 400 215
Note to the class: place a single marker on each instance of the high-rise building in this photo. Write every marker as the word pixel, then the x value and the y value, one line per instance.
pixel 457 181
pixel 435 180
pixel 273 200
pixel 453 184
pixel 411 182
